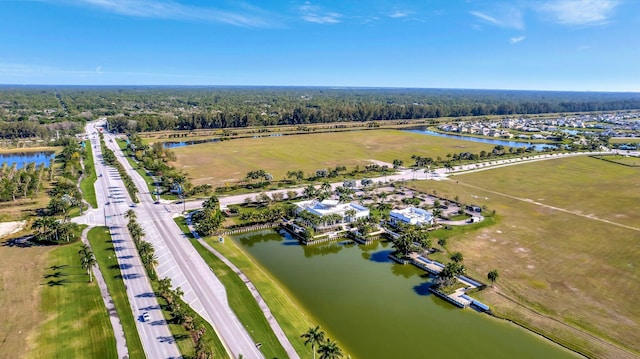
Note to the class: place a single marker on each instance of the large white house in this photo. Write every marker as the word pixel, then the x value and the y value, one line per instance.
pixel 411 215
pixel 350 212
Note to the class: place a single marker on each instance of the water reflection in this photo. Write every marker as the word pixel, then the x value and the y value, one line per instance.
pixel 381 256
pixel 21 159
pixel 321 249
pixel 250 239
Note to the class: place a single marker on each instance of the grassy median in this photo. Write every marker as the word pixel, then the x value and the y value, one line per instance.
pixel 89 178
pixel 103 250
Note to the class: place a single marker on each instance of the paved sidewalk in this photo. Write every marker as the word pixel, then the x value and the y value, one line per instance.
pixel 118 331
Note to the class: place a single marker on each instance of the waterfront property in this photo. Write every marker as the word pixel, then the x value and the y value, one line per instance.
pixel 411 215
pixel 348 212
pixel 366 301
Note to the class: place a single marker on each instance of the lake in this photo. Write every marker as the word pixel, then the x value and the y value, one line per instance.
pixel 536 146
pixel 22 158
pixel 376 308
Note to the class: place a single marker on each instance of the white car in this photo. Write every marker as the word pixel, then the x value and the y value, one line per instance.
pixel 145 317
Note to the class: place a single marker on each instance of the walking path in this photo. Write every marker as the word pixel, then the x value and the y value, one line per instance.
pixel 118 330
pixel 277 330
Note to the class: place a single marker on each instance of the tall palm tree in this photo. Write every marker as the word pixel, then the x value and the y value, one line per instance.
pixel 87 259
pixel 329 350
pixel 313 336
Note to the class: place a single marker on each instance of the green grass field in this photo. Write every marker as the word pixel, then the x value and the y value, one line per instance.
pixel 219 163
pixel 102 246
pixel 623 160
pixel 86 185
pixel 558 267
pixel 76 323
pixel 290 317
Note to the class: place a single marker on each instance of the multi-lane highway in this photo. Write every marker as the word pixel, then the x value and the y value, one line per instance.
pixel 179 261
pixel 155 335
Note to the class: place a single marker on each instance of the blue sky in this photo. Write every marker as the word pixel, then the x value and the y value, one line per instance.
pixel 582 45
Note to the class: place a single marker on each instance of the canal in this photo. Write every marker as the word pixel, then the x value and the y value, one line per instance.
pixel 376 308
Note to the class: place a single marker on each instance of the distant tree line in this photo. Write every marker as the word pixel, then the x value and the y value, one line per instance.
pixel 188 108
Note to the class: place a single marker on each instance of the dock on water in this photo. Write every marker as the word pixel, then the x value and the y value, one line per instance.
pixel 459 297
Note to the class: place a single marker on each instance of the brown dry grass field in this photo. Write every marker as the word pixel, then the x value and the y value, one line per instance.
pixel 20 278
pixel 570 274
pixel 229 161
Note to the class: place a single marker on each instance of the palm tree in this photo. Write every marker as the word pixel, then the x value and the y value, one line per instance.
pixel 313 336
pixel 493 276
pixel 164 287
pixel 329 350
pixel 212 203
pixel 131 215
pixel 457 257
pixel 403 245
pixel 87 259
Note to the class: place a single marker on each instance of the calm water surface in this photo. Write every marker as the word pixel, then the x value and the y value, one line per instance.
pixel 22 158
pixel 376 308
pixel 536 146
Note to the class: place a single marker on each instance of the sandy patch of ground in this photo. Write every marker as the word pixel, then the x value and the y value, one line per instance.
pixel 20 283
pixel 7 228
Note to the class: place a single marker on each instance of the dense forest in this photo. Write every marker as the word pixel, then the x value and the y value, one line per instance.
pixel 37 111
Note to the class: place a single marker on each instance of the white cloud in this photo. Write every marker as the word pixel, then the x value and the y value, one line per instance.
pixel 399 14
pixel 168 9
pixel 315 14
pixel 515 40
pixel 580 12
pixel 503 16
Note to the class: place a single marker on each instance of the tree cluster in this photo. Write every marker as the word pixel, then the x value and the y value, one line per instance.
pixel 327 348
pixel 111 160
pixel 145 249
pixel 208 220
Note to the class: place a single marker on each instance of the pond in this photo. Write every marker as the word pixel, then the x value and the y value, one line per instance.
pixel 536 146
pixel 22 158
pixel 177 144
pixel 376 308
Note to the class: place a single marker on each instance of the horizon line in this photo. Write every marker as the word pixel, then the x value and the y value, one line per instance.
pixel 331 87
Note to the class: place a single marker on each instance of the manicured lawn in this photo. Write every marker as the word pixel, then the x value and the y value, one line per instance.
pixel 76 323
pixel 86 185
pixel 229 161
pixel 289 316
pixel 100 240
pixel 568 268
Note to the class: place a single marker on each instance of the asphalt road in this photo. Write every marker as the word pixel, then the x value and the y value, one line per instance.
pixel 155 335
pixel 179 261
